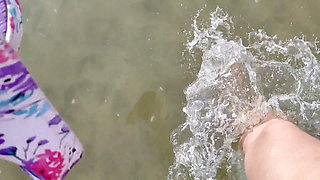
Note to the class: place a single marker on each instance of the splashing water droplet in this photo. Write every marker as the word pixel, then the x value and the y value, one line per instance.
pixel 237 86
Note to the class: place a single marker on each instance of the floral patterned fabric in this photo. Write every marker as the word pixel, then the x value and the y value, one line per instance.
pixel 12 27
pixel 32 134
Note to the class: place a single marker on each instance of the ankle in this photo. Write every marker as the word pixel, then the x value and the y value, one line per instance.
pixel 266 131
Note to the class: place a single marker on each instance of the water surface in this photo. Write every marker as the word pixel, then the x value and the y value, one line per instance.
pixel 115 71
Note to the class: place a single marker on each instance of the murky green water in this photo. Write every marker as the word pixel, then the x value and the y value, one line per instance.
pixel 114 70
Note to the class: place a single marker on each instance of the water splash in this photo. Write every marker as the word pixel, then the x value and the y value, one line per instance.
pixel 236 87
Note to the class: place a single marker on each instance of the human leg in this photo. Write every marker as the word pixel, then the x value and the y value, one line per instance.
pixel 277 149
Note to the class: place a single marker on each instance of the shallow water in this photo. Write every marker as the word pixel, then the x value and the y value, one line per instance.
pixel 115 71
pixel 242 81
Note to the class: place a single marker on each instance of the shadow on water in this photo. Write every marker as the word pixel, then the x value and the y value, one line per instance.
pixel 151 109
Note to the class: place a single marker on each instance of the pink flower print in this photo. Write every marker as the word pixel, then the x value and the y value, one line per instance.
pixel 46 166
pixel 3 54
pixel 6 53
pixel 18 3
pixel 12 25
pixel 3 58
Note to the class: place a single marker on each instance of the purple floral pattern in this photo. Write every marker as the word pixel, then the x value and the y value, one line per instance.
pixel 46 148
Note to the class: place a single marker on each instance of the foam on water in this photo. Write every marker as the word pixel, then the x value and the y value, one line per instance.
pixel 236 87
